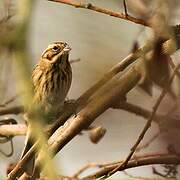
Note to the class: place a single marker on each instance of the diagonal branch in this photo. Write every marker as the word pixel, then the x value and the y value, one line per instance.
pixel 104 11
pixel 83 99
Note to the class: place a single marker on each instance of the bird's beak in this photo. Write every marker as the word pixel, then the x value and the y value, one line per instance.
pixel 64 51
pixel 67 48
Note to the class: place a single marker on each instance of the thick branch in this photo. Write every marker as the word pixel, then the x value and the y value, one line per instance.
pixel 173 122
pixel 81 101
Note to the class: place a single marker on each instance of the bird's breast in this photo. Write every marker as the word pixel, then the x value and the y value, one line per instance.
pixel 51 88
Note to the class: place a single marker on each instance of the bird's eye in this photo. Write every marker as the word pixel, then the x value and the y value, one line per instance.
pixel 55 48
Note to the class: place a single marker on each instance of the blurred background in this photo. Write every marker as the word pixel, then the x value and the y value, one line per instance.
pixel 100 41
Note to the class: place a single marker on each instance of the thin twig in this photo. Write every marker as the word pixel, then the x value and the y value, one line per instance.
pixel 125 8
pixel 12 149
pixel 8 138
pixel 147 144
pixel 158 159
pixel 164 176
pixel 10 100
pixel 137 110
pixel 104 11
pixel 148 124
pixel 11 110
pixel 160 119
pixel 173 66
pixel 83 169
pixel 74 60
pixel 17 171
pixel 112 163
pixel 6 18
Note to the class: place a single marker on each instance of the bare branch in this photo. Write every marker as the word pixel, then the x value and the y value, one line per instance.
pixel 148 124
pixel 11 110
pixel 9 154
pixel 137 110
pixel 104 11
pixel 113 163
pixel 75 60
pixel 125 8
pixel 159 159
pixel 13 130
pixel 149 141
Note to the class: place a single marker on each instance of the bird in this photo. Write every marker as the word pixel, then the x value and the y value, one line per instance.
pixel 51 79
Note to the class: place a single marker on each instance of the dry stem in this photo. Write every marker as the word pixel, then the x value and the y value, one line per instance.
pixel 159 159
pixel 104 11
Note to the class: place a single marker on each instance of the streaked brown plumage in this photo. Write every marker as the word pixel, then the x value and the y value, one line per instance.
pixel 51 79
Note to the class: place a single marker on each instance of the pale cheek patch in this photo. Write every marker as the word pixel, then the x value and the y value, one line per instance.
pixel 50 55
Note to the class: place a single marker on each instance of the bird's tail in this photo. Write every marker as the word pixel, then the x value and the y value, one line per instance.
pixel 29 142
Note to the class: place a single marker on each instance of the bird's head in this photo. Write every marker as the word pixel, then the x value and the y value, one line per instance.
pixel 56 52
